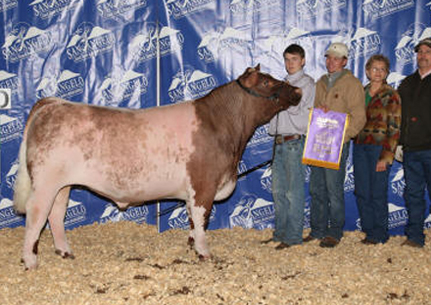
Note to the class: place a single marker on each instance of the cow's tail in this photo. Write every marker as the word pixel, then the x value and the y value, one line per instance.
pixel 22 188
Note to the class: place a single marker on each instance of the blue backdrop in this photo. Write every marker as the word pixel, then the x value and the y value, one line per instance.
pixel 146 53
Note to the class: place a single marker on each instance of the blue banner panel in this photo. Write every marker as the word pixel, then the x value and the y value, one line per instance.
pixel 146 53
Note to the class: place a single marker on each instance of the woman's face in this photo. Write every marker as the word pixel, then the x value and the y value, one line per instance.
pixel 377 72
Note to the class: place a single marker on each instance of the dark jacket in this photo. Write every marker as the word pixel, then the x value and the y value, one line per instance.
pixel 416 112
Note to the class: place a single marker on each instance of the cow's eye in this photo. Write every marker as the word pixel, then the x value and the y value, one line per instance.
pixel 265 83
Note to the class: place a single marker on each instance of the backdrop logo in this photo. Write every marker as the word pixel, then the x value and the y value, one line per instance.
pixel 361 42
pixel 398 216
pixel 349 179
pixel 145 44
pixel 181 8
pixel 11 128
pixel 277 43
pixel 213 43
pixel 8 81
pixel 252 212
pixel 11 175
pixel 75 213
pixel 7 214
pixel 380 8
pixel 190 84
pixel 266 180
pixel 364 42
pixel 260 136
pixel 137 214
pixel 89 41
pixel 131 84
pixel 7 5
pixel 394 79
pixel 404 51
pixel 308 9
pixel 242 167
pixel 397 184
pixel 250 6
pixel 49 8
pixel 68 84
pixel 113 8
pixel 25 41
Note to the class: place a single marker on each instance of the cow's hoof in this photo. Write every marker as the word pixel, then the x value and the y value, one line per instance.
pixel 65 254
pixel 204 258
pixel 29 266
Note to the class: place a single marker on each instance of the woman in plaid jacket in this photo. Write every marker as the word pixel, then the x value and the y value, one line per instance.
pixel 374 150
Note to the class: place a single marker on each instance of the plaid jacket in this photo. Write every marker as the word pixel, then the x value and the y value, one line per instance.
pixel 383 122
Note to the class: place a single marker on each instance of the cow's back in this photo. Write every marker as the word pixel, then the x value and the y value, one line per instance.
pixel 126 155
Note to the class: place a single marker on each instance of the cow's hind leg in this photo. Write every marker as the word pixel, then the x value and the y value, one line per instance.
pixel 37 209
pixel 199 214
pixel 56 223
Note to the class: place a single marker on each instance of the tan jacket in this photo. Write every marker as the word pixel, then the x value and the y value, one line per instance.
pixel 347 96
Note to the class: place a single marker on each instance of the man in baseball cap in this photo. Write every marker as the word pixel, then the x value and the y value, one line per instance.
pixel 339 91
pixel 415 92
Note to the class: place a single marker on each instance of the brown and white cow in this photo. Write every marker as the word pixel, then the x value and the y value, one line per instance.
pixel 188 151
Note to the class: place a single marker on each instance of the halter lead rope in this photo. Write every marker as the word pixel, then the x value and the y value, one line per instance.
pixel 274 97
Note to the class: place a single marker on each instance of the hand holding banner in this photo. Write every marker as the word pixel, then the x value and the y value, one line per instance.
pixel 325 138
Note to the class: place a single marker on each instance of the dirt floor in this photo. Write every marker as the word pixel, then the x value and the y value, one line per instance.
pixel 127 263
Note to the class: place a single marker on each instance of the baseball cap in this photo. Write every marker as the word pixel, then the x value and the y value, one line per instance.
pixel 426 41
pixel 337 49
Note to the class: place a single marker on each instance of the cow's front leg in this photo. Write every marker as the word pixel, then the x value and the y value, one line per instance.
pixel 199 216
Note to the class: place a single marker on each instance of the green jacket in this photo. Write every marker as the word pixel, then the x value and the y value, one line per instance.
pixel 347 96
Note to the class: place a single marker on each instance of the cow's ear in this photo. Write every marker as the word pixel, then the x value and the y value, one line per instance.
pixel 257 67
pixel 251 80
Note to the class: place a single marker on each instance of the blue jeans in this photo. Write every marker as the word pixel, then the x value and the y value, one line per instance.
pixel 288 177
pixel 371 190
pixel 417 173
pixel 327 199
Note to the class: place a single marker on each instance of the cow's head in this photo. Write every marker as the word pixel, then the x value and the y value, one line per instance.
pixel 264 85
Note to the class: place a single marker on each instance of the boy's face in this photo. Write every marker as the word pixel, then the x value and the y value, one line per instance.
pixel 293 62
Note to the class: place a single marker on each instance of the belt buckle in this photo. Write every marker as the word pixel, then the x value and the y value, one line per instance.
pixel 278 140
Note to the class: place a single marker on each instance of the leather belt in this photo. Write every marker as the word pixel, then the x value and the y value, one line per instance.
pixel 282 139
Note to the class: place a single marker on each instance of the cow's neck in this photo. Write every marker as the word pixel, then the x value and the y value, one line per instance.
pixel 235 114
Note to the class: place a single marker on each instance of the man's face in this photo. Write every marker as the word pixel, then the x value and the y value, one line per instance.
pixel 335 64
pixel 424 58
pixel 293 62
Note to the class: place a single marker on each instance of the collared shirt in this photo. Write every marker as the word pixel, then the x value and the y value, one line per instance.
pixel 425 75
pixel 294 120
pixel 332 77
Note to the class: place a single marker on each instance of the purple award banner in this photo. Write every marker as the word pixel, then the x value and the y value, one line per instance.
pixel 325 138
